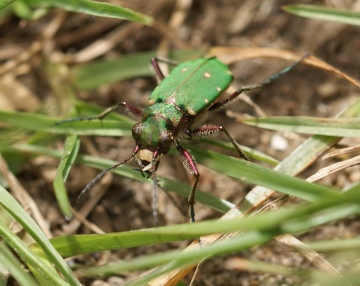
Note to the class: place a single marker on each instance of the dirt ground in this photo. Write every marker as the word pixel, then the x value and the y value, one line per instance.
pixel 127 205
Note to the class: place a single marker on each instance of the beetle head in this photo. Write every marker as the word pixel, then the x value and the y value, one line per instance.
pixel 153 137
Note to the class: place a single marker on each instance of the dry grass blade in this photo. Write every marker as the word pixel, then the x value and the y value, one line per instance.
pixel 230 55
pixel 80 217
pixel 314 257
pixel 176 20
pixel 335 168
pixel 342 151
pixel 93 227
pixel 25 56
pixel 106 43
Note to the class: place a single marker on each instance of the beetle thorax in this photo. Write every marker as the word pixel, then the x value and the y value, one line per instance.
pixel 154 137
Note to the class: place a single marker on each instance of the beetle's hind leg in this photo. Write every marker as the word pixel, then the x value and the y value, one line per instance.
pixel 267 81
pixel 128 107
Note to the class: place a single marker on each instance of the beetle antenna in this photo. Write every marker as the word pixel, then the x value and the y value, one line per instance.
pixel 101 175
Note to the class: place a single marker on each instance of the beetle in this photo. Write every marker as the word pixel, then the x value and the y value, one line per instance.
pixel 174 109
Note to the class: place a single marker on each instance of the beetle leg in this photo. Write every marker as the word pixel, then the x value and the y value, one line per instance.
pixel 128 107
pixel 155 64
pixel 267 81
pixel 208 130
pixel 189 163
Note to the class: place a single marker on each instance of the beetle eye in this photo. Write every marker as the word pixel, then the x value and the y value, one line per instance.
pixel 136 131
pixel 166 140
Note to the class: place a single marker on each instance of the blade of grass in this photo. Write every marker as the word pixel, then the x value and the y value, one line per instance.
pixel 345 127
pixel 334 245
pixel 293 219
pixel 278 216
pixel 14 208
pixel 14 267
pixel 95 8
pixel 4 3
pixel 324 13
pixel 127 171
pixel 303 216
pixel 28 255
pixel 23 10
pixel 39 122
pixel 262 228
pixel 97 73
pixel 71 149
pixel 259 175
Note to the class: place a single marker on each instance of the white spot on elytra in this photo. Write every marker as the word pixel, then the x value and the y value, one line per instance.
pixel 218 89
pixel 184 69
pixel 206 100
pixel 207 75
pixel 229 72
pixel 191 112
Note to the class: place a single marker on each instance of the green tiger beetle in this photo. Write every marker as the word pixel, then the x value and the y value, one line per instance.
pixel 176 104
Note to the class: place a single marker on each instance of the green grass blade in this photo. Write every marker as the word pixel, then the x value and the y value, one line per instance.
pixel 324 13
pixel 127 171
pixel 14 267
pixel 179 259
pixel 23 10
pixel 4 3
pixel 311 214
pixel 316 213
pixel 71 149
pixel 97 73
pixel 261 228
pixel 30 257
pixel 14 208
pixel 71 245
pixel 259 175
pixel 37 122
pixel 96 8
pixel 334 245
pixel 345 127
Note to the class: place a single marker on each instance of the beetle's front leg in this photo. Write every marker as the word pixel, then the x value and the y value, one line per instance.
pixel 189 163
pixel 128 107
pixel 208 130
